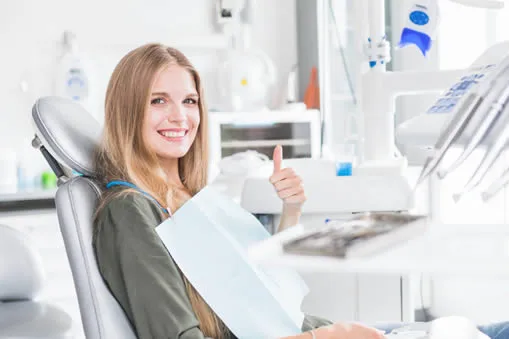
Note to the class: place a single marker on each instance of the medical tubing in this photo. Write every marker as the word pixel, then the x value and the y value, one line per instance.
pixel 495 109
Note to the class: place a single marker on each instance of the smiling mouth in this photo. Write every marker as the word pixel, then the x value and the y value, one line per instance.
pixel 173 134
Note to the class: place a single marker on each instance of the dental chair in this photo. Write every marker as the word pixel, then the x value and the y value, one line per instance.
pixel 21 281
pixel 67 135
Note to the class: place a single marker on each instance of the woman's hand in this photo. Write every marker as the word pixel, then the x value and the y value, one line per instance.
pixel 341 331
pixel 348 331
pixel 289 188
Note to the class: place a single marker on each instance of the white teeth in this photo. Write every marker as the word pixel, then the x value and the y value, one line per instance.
pixel 173 134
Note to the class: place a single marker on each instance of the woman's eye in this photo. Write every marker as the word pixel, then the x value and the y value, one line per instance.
pixel 190 101
pixel 157 101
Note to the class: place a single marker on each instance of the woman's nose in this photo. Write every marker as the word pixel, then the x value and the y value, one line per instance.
pixel 176 113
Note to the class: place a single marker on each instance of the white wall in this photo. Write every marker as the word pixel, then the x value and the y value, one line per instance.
pixel 31 32
pixel 30 39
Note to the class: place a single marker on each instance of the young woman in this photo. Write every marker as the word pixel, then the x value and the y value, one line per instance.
pixel 155 140
pixel 155 137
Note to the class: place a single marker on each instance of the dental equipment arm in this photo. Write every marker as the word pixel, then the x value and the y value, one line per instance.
pixel 468 106
pixel 495 101
pixel 478 120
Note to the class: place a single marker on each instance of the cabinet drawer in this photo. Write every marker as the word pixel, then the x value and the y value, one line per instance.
pixel 290 150
pixel 269 131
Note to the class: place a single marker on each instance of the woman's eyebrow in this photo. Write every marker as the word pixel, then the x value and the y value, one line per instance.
pixel 160 94
pixel 195 95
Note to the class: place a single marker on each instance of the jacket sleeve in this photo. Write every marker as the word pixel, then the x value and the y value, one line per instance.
pixel 140 272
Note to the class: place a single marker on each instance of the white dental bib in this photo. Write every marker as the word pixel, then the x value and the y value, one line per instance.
pixel 208 238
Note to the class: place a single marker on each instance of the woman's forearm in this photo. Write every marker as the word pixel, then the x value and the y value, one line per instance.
pixel 341 331
pixel 325 332
pixel 305 335
pixel 289 217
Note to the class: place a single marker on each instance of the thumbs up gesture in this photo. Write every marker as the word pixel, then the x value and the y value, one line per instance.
pixel 288 185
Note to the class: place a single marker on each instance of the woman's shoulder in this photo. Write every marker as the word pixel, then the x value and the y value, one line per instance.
pixel 129 208
pixel 127 199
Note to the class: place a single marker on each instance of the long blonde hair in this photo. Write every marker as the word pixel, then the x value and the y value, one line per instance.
pixel 123 155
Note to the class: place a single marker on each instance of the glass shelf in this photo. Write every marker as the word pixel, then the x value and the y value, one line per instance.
pixel 28 195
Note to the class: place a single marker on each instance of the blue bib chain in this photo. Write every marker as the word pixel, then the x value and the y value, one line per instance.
pixel 128 184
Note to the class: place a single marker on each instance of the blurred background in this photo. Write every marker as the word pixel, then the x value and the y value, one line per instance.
pixel 262 90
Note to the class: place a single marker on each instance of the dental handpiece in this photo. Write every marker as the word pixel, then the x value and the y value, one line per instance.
pixel 492 155
pixel 450 134
pixel 496 186
pixel 460 120
pixel 501 98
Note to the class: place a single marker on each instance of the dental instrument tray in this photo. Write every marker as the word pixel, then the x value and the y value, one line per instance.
pixel 359 236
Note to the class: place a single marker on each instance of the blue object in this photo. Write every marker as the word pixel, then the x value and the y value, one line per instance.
pixel 343 169
pixel 451 98
pixel 128 184
pixel 372 64
pixel 419 18
pixel 420 39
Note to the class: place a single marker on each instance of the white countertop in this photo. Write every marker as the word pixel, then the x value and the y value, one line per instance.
pixel 443 249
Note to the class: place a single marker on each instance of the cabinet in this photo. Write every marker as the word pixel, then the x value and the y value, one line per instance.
pixel 298 132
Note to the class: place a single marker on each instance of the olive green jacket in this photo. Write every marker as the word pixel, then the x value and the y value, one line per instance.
pixel 142 275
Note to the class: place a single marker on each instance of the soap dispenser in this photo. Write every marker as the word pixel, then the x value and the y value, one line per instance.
pixel 72 80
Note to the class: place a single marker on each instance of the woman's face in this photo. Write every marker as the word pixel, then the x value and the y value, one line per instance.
pixel 173 114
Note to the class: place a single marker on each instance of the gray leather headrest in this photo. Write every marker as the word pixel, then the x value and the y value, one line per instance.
pixel 68 132
pixel 21 267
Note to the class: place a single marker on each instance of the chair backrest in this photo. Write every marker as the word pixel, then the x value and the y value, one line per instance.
pixel 67 136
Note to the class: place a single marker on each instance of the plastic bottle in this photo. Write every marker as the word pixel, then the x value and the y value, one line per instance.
pixel 312 94
pixel 72 80
pixel 8 175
